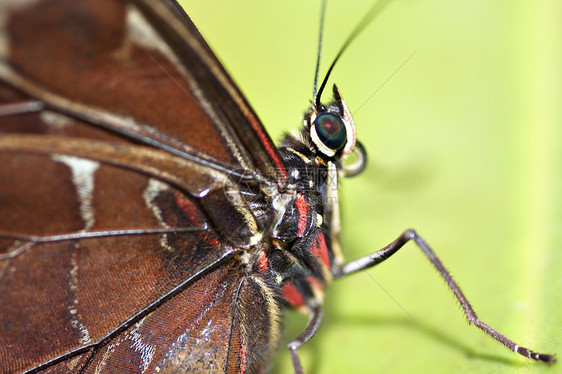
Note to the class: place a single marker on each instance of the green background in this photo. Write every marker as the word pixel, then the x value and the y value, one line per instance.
pixel 464 145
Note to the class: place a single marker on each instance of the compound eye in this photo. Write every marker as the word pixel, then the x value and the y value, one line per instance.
pixel 330 130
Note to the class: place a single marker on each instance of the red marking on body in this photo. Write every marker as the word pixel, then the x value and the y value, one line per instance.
pixel 262 263
pixel 292 295
pixel 320 250
pixel 188 207
pixel 304 212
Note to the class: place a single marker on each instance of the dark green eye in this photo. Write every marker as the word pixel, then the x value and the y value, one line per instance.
pixel 330 130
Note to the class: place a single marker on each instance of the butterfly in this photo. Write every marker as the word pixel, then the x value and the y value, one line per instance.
pixel 149 223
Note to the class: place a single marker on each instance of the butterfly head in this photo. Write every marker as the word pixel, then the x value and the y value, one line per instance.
pixel 332 131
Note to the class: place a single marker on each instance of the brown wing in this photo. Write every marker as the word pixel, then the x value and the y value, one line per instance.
pixel 193 336
pixel 139 69
pixel 82 258
pixel 120 218
pixel 67 308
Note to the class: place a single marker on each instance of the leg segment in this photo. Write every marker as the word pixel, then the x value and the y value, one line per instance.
pixel 381 255
pixel 310 330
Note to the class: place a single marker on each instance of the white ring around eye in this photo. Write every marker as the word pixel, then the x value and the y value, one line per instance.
pixel 350 128
pixel 321 146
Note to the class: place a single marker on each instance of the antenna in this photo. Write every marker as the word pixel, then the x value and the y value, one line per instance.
pixel 375 10
pixel 320 33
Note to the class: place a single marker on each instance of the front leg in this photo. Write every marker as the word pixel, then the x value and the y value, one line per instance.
pixel 384 253
pixel 310 330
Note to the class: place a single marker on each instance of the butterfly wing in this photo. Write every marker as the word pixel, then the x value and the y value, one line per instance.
pixel 139 69
pixel 120 212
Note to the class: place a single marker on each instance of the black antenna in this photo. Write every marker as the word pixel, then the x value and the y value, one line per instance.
pixel 320 33
pixel 375 10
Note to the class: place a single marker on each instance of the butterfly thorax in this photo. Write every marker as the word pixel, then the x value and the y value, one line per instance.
pixel 300 257
pixel 303 236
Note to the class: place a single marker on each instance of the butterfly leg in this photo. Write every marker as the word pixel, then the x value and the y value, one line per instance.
pixel 310 330
pixel 384 253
